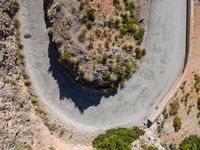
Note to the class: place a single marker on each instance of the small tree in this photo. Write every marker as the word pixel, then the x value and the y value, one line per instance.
pixel 177 123
pixel 139 34
pixel 91 13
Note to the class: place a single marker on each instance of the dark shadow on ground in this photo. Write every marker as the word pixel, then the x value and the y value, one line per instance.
pixel 68 89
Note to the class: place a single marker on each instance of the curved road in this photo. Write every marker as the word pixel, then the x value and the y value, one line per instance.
pixel 90 112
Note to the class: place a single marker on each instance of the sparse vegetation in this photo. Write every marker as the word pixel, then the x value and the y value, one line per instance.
pixel 174 107
pixel 140 53
pixel 190 143
pixel 139 34
pixel 197 83
pixel 117 139
pixel 177 123
pixel 66 55
pixel 165 114
pixel 107 44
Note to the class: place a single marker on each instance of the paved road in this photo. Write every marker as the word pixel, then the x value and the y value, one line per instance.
pixel 91 111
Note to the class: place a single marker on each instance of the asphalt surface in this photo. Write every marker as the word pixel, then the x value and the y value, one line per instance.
pixel 90 112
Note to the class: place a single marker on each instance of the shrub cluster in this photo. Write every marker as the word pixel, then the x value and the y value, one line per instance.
pixel 90 17
pixel 177 123
pixel 190 143
pixel 197 83
pixel 140 52
pixel 117 139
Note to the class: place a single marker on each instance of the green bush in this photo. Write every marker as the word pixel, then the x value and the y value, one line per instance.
pixel 190 143
pixel 128 25
pixel 138 35
pixel 90 14
pixel 106 75
pixel 197 82
pixel 66 55
pixel 117 139
pixel 174 107
pixel 177 123
pixel 130 6
pixel 105 58
pixel 123 30
pixel 121 73
pixel 88 23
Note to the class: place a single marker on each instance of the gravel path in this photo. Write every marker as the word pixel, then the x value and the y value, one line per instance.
pixel 91 112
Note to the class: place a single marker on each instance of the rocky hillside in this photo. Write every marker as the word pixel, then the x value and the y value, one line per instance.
pixel 98 42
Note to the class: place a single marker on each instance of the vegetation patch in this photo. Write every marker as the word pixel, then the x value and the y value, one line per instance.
pixel 197 83
pixel 174 107
pixel 190 143
pixel 98 43
pixel 177 123
pixel 117 139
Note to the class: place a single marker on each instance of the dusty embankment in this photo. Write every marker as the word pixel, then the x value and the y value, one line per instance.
pixel 90 112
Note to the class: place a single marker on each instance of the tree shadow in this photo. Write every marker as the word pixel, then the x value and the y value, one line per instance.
pixel 82 98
